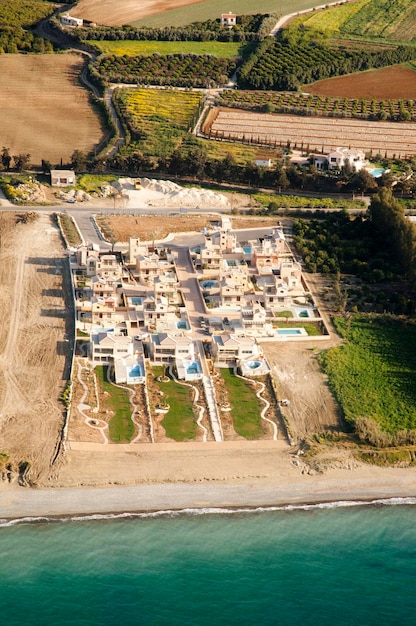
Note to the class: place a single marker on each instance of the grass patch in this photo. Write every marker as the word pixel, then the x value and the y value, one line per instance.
pixel 373 374
pixel 228 50
pixel 241 153
pixel 179 422
pixel 245 405
pixel 120 427
pixel 92 183
pixel 300 202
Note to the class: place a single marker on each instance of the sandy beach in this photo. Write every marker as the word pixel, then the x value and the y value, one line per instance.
pixel 364 483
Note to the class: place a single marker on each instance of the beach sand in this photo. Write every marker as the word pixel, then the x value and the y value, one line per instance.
pixel 257 476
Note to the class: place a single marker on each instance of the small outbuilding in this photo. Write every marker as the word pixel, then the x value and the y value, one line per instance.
pixel 228 19
pixel 62 178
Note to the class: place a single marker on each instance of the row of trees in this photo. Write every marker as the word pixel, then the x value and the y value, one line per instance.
pixel 248 28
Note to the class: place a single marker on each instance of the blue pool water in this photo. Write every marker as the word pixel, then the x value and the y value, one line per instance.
pixel 136 300
pixel 289 331
pixel 253 365
pixel 247 249
pixel 134 372
pixel 209 284
pixel 182 325
pixel 193 368
pixel 377 172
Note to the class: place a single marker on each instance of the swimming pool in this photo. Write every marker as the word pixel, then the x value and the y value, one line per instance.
pixel 290 331
pixel 135 374
pixel 377 172
pixel 136 300
pixel 182 325
pixel 209 284
pixel 253 365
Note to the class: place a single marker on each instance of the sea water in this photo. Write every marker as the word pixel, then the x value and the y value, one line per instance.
pixel 319 566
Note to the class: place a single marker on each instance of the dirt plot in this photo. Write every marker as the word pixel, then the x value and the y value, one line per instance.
pixel 111 13
pixel 43 109
pixel 385 83
pixel 32 342
pixel 153 227
pixel 317 133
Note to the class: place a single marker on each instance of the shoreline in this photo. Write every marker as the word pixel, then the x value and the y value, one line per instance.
pixel 360 486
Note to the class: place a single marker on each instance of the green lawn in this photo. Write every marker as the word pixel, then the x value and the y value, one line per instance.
pixel 245 406
pixel 373 374
pixel 212 9
pixel 134 48
pixel 121 428
pixel 179 423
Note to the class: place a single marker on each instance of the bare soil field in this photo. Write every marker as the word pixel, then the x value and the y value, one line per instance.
pixel 385 83
pixel 317 133
pixel 43 109
pixel 111 13
pixel 153 227
pixel 33 362
pixel 298 375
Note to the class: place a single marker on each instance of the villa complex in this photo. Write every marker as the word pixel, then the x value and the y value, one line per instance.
pixel 132 303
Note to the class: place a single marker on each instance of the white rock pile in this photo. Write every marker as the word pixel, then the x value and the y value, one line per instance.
pixel 165 193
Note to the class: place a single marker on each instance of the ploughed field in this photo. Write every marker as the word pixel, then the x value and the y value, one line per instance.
pixel 43 109
pixel 317 133
pixel 396 81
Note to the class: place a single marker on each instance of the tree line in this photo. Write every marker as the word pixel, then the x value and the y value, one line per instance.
pixel 248 28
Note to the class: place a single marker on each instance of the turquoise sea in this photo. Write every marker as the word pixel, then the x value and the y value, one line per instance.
pixel 308 565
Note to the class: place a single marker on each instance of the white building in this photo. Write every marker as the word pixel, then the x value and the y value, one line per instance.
pixel 340 157
pixel 73 22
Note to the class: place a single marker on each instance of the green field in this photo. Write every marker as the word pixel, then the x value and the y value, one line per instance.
pixel 373 374
pixel 134 48
pixel 212 9
pixel 370 20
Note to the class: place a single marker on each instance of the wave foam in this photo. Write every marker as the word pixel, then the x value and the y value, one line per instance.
pixel 170 513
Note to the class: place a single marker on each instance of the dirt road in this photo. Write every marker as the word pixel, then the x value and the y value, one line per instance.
pixel 32 358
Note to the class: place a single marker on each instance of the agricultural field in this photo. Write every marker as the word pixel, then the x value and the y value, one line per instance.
pixel 354 95
pixel 387 83
pixel 373 373
pixel 159 119
pixel 159 13
pixel 44 110
pixel 315 133
pixel 174 70
pixel 371 20
pixel 225 50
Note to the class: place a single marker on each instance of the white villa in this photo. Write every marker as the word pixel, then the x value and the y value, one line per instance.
pixel 339 158
pixel 229 349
